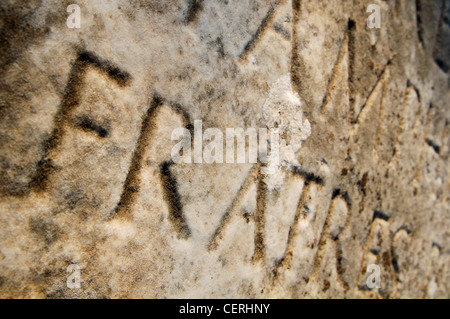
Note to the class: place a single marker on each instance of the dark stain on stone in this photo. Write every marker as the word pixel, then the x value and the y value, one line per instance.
pixel 46 229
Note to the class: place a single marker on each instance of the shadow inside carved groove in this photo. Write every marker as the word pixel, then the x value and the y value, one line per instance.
pixel 379 214
pixel 410 84
pixel 284 33
pixel 419 21
pixel 440 50
pixel 121 77
pixel 351 29
pixel 194 8
pixel 88 125
pixel 295 65
pixel 261 195
pixel 263 27
pixel 308 176
pixel 173 199
pixel 436 148
pixel 337 192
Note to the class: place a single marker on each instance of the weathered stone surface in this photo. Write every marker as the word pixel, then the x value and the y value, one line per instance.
pixel 86 178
